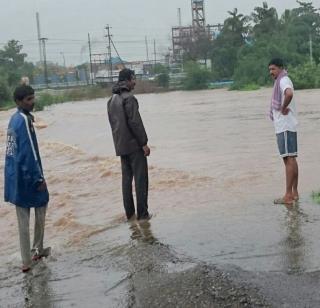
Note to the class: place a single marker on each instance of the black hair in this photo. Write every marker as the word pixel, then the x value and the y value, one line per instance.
pixel 126 74
pixel 22 92
pixel 277 62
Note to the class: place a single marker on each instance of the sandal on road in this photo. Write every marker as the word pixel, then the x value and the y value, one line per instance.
pixel 44 254
pixel 25 269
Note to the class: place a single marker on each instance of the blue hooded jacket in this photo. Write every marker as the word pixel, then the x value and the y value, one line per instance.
pixel 23 170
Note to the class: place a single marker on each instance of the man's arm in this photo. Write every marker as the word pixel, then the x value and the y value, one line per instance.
pixel 135 123
pixel 288 95
pixel 28 161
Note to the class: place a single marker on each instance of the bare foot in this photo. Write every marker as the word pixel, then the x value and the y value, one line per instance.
pixel 296 197
pixel 284 200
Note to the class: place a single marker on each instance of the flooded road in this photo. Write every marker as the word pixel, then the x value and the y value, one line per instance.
pixel 215 239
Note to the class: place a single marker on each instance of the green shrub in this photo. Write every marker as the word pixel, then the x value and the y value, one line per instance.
pixel 163 80
pixel 251 70
pixel 316 197
pixel 46 99
pixel 305 76
pixel 197 77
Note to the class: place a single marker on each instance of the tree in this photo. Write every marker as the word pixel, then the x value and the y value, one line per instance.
pixel 163 80
pixel 305 26
pixel 12 53
pixel 12 61
pixel 197 76
pixel 305 76
pixel 228 44
pixel 162 75
pixel 266 21
pixel 197 47
pixel 288 38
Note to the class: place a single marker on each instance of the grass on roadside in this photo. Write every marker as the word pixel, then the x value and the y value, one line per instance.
pixel 50 97
pixel 316 197
pixel 247 87
pixel 7 105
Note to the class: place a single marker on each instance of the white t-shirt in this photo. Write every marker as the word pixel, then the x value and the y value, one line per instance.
pixel 287 122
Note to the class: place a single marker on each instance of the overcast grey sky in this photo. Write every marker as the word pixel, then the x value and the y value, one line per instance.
pixel 66 23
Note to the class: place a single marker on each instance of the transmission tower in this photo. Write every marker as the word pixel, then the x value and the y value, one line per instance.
pixel 183 35
pixel 198 16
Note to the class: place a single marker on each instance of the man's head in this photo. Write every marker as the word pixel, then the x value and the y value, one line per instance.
pixel 276 66
pixel 24 97
pixel 126 75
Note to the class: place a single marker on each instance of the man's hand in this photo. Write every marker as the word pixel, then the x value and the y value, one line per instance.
pixel 42 186
pixel 288 95
pixel 285 110
pixel 146 150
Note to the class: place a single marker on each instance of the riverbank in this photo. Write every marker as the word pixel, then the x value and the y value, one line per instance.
pixel 48 97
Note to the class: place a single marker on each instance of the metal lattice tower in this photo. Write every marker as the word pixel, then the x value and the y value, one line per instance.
pixel 184 36
pixel 198 16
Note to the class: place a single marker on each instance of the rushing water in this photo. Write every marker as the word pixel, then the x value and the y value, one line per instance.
pixel 214 172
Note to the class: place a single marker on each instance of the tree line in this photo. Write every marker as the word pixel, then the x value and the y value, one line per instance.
pixel 244 46
pixel 240 51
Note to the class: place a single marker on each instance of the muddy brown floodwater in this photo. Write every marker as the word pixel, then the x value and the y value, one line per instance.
pixel 215 240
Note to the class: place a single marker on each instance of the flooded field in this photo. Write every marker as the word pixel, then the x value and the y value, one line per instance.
pixel 215 239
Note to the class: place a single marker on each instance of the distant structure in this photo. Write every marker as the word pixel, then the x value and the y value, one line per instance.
pixel 182 35
pixel 198 16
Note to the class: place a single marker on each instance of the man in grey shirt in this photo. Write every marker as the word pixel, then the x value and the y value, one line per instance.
pixel 131 144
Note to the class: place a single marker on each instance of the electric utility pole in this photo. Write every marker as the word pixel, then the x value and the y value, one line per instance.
pixel 109 53
pixel 90 55
pixel 44 53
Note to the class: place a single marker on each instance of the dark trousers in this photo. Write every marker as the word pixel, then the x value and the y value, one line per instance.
pixel 135 166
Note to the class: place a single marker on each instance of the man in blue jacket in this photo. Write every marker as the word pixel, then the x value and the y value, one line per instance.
pixel 24 183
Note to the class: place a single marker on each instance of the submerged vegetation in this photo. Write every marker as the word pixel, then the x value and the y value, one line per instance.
pixel 316 197
pixel 47 98
pixel 50 97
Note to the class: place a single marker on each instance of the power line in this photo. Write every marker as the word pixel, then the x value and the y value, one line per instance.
pixel 117 52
